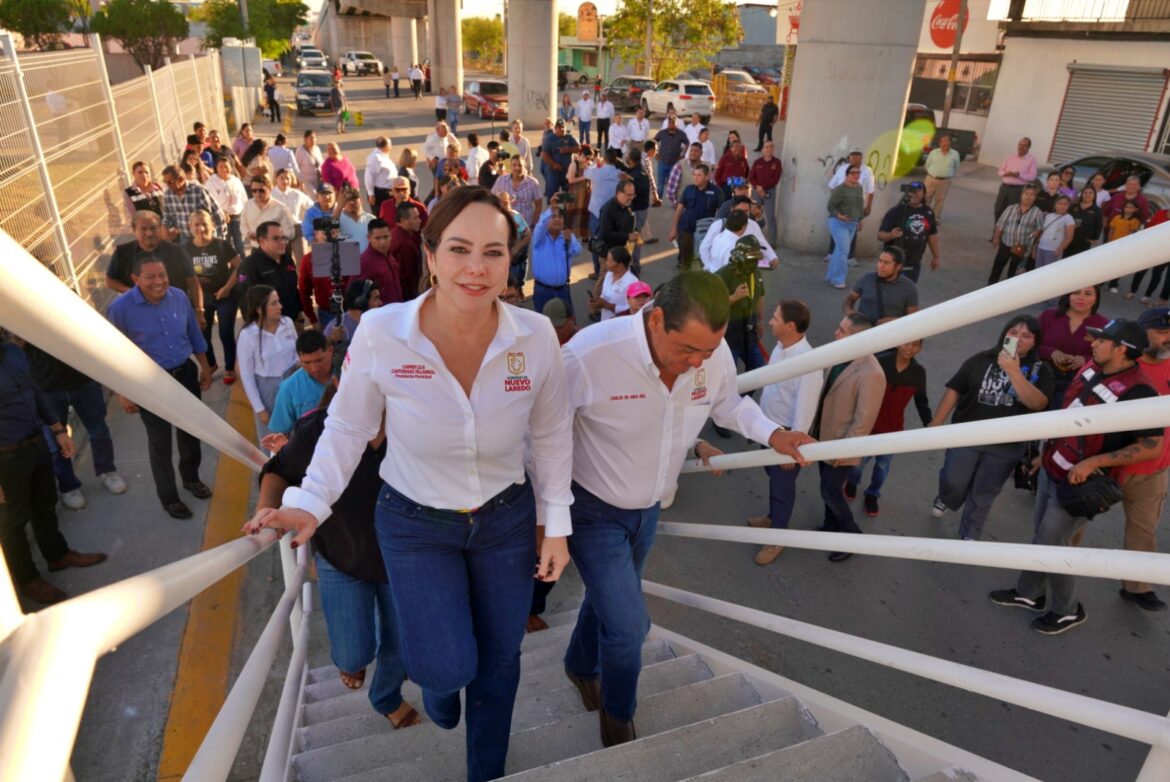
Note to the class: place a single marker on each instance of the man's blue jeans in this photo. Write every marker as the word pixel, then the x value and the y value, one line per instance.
pixel 90 404
pixel 594 223
pixel 610 546
pixel 462 587
pixel 583 129
pixel 663 172
pixel 543 294
pixel 781 493
pixel 881 471
pixel 359 616
pixel 842 233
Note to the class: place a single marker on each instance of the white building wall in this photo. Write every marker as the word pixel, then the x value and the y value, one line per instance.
pixel 1032 82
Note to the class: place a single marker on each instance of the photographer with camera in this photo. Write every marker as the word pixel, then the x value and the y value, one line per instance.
pixel 552 252
pixel 912 227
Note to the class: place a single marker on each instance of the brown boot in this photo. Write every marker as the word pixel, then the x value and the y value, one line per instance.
pixel 76 559
pixel 615 731
pixel 767 554
pixel 590 690
pixel 759 521
pixel 41 591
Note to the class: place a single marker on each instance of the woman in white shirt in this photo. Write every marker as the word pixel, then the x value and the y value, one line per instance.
pixel 309 160
pixel 609 295
pixel 1056 234
pixel 265 352
pixel 230 195
pixel 297 204
pixel 471 391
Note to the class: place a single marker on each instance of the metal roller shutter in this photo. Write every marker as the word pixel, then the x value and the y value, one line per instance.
pixel 1107 108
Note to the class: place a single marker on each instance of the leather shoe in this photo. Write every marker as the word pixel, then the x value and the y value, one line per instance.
pixel 199 489
pixel 178 510
pixel 75 559
pixel 759 521
pixel 590 690
pixel 767 554
pixel 615 731
pixel 535 624
pixel 41 591
pixel 839 556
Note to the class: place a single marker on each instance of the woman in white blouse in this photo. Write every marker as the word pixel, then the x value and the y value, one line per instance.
pixel 609 294
pixel 471 391
pixel 265 352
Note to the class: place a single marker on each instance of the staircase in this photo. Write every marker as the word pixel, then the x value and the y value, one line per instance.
pixel 698 718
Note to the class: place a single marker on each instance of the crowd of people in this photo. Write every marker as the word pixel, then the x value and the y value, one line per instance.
pixel 447 459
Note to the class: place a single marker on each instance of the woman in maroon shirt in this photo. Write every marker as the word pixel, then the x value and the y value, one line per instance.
pixel 1066 343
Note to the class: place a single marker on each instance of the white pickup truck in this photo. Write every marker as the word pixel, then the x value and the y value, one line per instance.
pixel 360 64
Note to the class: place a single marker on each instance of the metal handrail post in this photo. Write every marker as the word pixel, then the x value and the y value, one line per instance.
pixel 280 741
pixel 162 142
pixel 95 43
pixel 175 100
pixel 41 163
pixel 198 90
pixel 288 569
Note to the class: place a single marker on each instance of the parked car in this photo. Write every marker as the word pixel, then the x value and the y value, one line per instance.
pixel 313 87
pixel 487 98
pixel 740 81
pixel 312 58
pixel 1117 166
pixel 625 92
pixel 360 64
pixel 567 74
pixel 763 74
pixel 686 96
pixel 271 68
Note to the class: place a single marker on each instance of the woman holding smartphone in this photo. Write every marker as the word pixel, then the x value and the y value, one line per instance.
pixel 1009 379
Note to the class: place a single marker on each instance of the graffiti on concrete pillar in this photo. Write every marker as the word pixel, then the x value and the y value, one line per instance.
pixel 537 99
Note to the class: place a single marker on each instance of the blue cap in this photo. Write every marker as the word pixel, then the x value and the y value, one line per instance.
pixel 737 181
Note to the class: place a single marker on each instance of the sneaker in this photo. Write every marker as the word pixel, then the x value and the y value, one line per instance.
pixel 767 554
pixel 1053 623
pixel 871 505
pixel 1113 289
pixel 73 500
pixel 113 482
pixel 1012 598
pixel 852 262
pixel 938 508
pixel 1145 600
pixel 850 491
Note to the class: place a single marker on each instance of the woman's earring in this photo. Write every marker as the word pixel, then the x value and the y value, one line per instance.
pixel 434 280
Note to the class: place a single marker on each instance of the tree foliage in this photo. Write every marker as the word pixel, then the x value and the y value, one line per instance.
pixel 39 22
pixel 270 23
pixel 687 33
pixel 483 37
pixel 147 29
pixel 566 24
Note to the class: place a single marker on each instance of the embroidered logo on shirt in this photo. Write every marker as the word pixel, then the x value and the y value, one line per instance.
pixel 517 380
pixel 516 364
pixel 700 389
pixel 413 372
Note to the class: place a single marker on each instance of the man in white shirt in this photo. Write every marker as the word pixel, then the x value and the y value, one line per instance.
pixel 708 154
pixel 719 241
pixel 416 79
pixel 435 147
pixel 380 172
pixel 637 130
pixel 692 129
pixel 641 388
pixel 280 156
pixel 867 188
pixel 584 116
pixel 617 135
pixel 523 148
pixel 263 208
pixel 791 404
pixel 476 155
pixel 605 113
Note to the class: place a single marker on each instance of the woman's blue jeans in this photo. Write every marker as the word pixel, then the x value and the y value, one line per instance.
pixel 842 233
pixel 881 471
pixel 462 587
pixel 359 616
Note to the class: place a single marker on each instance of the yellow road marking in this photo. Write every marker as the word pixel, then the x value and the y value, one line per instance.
pixel 205 653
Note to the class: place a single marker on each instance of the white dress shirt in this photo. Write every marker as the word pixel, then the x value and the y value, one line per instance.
pixel 264 355
pixel 436 146
pixel 692 132
pixel 637 130
pixel 380 169
pixel 524 148
pixel 229 194
pixel 708 155
pixel 295 201
pixel 476 157
pixel 866 178
pixel 605 109
pixel 584 110
pixel 283 157
pixel 715 251
pixel 631 433
pixel 253 216
pixel 447 449
pixel 617 137
pixel 792 403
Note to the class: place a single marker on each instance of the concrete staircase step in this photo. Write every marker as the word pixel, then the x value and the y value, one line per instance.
pixel 850 755
pixel 949 775
pixel 554 636
pixel 677 753
pixel 548 743
pixel 531 711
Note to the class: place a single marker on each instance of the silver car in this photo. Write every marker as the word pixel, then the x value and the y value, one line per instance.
pixel 1153 169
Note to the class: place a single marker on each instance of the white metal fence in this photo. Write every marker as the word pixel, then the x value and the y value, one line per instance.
pixel 67 141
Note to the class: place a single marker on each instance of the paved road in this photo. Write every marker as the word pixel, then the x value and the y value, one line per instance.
pixel 1118 655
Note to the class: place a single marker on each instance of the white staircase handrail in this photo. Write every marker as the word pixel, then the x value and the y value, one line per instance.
pixel 1142 250
pixel 1112 718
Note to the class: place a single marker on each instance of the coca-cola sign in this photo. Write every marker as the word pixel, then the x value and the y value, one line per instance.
pixel 944 23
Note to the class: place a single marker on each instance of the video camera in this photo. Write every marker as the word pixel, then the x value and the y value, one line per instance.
pixel 327 224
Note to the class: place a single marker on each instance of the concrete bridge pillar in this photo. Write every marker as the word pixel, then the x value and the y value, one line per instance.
pixel 851 79
pixel 446 45
pixel 532 61
pixel 404 42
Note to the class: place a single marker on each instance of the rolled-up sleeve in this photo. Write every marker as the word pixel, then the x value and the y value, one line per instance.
pixel 550 437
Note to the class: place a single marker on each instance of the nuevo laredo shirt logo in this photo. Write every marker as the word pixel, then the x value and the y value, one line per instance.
pixel 700 389
pixel 516 379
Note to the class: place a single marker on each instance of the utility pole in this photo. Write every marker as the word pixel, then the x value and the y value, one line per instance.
pixel 952 71
pixel 244 15
pixel 649 37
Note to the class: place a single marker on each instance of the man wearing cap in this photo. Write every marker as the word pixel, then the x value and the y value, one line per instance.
pixel 698 201
pixel 1144 483
pixel 722 236
pixel 942 165
pixel 585 115
pixel 1114 375
pixel 552 252
pixel 912 226
pixel 556 152
pixel 564 323
pixel 867 182
pixel 884 294
pixel 1015 172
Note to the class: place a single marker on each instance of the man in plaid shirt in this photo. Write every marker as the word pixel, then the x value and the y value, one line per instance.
pixel 181 199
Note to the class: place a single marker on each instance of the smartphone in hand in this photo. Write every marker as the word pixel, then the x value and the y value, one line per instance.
pixel 1010 344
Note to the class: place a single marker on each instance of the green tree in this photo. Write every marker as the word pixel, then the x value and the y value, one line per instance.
pixel 687 33
pixel 483 37
pixel 40 22
pixel 147 29
pixel 270 23
pixel 566 25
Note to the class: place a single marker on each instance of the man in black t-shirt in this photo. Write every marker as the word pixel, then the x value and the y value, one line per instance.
pixel 912 226
pixel 1113 376
pixel 269 264
pixel 148 241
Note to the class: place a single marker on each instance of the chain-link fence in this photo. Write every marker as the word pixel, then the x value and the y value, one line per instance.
pixel 67 140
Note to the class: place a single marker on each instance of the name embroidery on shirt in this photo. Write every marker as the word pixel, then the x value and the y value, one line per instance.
pixel 700 389
pixel 623 397
pixel 413 372
pixel 517 380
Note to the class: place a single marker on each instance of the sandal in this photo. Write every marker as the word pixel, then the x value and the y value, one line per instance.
pixel 353 681
pixel 409 718
pixel 229 377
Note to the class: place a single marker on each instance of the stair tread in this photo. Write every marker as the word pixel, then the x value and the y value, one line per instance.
pixel 850 755
pixel 436 759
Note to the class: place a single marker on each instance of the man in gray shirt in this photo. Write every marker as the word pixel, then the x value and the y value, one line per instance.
pixel 884 294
